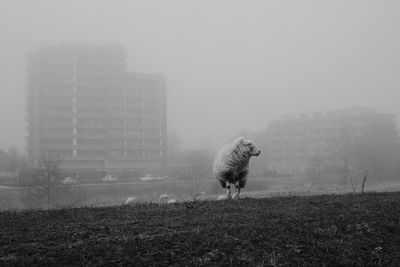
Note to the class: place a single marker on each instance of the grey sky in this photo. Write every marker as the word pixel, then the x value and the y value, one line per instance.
pixel 230 65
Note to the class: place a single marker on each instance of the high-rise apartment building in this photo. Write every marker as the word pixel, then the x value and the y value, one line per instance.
pixel 294 140
pixel 86 109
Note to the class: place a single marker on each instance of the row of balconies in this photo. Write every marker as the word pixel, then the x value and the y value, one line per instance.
pixel 99 95
pixel 310 132
pixel 113 157
pixel 295 131
pixel 110 123
pixel 99 82
pixel 99 147
pixel 296 153
pixel 84 109
pixel 332 135
pixel 89 135
pixel 301 142
pixel 299 158
pixel 60 114
pixel 103 154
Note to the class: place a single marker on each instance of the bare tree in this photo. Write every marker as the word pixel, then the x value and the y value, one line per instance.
pixel 316 171
pixel 174 144
pixel 343 145
pixel 39 184
pixel 367 153
pixel 50 166
pixel 42 187
pixel 198 163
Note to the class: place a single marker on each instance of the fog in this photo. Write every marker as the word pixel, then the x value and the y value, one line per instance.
pixel 230 65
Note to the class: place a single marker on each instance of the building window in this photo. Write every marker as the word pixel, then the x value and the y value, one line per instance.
pixel 82 131
pixel 134 111
pixel 115 101
pixel 90 100
pixel 116 131
pixel 152 153
pixel 152 143
pixel 58 153
pixel 151 91
pixel 134 142
pixel 49 120
pixel 134 101
pixel 90 152
pixel 117 111
pixel 58 99
pixel 133 132
pixel 135 152
pixel 116 152
pixel 151 102
pixel 116 122
pixel 152 122
pixel 57 142
pixel 118 142
pixel 151 112
pixel 89 89
pixel 90 111
pixel 90 142
pixel 87 121
pixel 57 131
pixel 134 122
pixel 57 110
pixel 151 132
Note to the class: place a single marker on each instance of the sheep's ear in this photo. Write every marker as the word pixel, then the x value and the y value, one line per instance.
pixel 239 140
pixel 246 142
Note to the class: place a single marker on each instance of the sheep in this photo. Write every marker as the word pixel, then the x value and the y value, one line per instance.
pixel 163 197
pixel 172 201
pixel 221 197
pixel 130 200
pixel 231 164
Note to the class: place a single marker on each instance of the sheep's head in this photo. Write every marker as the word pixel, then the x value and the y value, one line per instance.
pixel 252 148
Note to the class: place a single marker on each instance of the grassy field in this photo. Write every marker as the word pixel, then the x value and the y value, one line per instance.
pixel 330 230
pixel 111 194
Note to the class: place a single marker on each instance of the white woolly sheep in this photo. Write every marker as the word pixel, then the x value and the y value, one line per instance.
pixel 163 197
pixel 130 200
pixel 221 197
pixel 231 164
pixel 172 201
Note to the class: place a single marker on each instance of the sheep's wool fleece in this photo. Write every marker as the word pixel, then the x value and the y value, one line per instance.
pixel 233 157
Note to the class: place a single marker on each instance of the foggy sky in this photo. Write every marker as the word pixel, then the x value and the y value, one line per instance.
pixel 230 65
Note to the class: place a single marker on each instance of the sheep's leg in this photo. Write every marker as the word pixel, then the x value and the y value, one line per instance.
pixel 228 191
pixel 238 190
pixel 242 181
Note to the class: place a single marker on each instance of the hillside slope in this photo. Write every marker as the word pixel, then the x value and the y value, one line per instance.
pixel 333 230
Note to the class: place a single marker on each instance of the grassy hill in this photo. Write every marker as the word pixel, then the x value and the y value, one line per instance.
pixel 332 230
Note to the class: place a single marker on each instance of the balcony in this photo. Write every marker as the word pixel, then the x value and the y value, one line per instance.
pixel 82 125
pixel 116 146
pixel 86 112
pixel 55 134
pixel 45 124
pixel 56 146
pixel 90 146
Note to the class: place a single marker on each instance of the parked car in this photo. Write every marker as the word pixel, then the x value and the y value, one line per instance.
pixel 109 179
pixel 151 178
pixel 186 178
pixel 69 180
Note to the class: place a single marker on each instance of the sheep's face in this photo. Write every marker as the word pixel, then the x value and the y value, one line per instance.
pixel 253 151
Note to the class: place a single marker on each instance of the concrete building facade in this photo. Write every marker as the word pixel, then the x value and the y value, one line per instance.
pixel 86 109
pixel 295 139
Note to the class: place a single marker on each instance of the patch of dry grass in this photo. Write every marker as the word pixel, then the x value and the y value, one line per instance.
pixel 352 230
